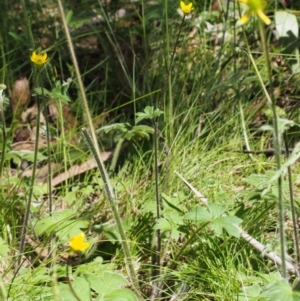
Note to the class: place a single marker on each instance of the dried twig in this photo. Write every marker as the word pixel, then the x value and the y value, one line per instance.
pixel 252 241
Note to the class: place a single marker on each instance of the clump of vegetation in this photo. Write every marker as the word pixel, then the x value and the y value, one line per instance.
pixel 149 150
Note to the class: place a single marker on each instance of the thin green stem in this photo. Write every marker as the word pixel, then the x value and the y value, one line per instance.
pixel 27 209
pixel 241 109
pixel 3 87
pixel 292 203
pixel 28 25
pixel 277 147
pixel 247 144
pixel 93 144
pixel 44 109
pixel 35 161
pixel 3 290
pixel 112 202
pixel 169 107
pixel 116 155
pixel 63 141
pixel 80 84
pixel 168 64
pixel 169 72
pixel 175 46
pixel 158 201
pixel 3 55
pixel 69 282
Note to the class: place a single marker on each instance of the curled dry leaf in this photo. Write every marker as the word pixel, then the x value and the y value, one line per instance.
pixel 42 173
pixel 19 95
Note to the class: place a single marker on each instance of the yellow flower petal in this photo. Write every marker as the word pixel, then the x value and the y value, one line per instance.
pixel 186 8
pixel 261 14
pixel 255 7
pixel 77 243
pixel 244 19
pixel 39 59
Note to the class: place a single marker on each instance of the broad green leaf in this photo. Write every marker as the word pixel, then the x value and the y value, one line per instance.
pixel 171 222
pixel 115 127
pixel 266 128
pixel 119 295
pixel 163 224
pixel 215 216
pixel 80 286
pixel 24 155
pixel 280 291
pixel 94 281
pixel 250 293
pixel 62 223
pixel 95 267
pixel 228 223
pixel 149 113
pixel 199 215
pixel 149 206
pixel 107 283
pixel 71 228
pixel 175 202
pixel 259 181
pixel 69 16
pixel 284 124
pixel 216 210
pixel 175 218
pixel 4 249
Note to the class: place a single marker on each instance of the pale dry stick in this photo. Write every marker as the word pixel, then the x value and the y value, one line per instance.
pixel 277 144
pixel 252 241
pixel 91 139
pixel 181 293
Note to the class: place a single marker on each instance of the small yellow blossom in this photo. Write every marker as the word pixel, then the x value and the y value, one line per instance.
pixel 39 59
pixel 255 7
pixel 186 8
pixel 77 243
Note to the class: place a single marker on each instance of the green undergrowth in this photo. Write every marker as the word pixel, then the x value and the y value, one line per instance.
pixel 178 104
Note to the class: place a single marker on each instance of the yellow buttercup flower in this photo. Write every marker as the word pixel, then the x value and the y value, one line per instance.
pixel 186 8
pixel 77 243
pixel 255 7
pixel 39 59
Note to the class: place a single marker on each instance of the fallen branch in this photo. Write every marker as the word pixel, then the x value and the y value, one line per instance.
pixel 252 241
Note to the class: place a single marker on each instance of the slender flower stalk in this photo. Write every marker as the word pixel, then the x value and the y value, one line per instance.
pixel 277 136
pixel 39 60
pixel 168 108
pixel 255 7
pixel 77 244
pixel 93 143
pixel 2 88
pixel 73 292
pixel 28 25
pixel 37 74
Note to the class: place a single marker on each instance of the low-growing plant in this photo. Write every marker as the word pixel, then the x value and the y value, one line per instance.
pixel 200 102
